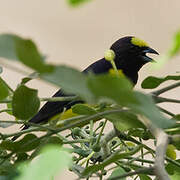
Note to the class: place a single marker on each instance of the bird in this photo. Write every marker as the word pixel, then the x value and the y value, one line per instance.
pixel 130 56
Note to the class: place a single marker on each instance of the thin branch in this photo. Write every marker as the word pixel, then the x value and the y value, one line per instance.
pixel 5 101
pixel 162 142
pixel 29 124
pixel 138 171
pixel 104 142
pixel 167 88
pixel 13 68
pixel 166 111
pixel 56 99
pixel 51 99
pixel 161 146
pixel 162 99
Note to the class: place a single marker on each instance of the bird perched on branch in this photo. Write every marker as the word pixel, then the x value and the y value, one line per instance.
pixel 130 55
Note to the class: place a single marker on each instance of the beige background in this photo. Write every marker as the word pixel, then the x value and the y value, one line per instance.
pixel 79 36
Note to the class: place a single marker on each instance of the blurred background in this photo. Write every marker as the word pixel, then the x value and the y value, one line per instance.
pixel 79 36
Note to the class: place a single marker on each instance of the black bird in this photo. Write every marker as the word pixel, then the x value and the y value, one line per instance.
pixel 130 56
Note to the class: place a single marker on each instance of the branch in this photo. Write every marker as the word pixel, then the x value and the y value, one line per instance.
pixel 52 99
pixel 161 146
pixel 56 99
pixel 104 142
pixel 162 142
pixel 138 171
pixel 167 88
pixel 166 111
pixel 162 99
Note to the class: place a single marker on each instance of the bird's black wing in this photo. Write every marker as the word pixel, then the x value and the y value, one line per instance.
pixel 52 108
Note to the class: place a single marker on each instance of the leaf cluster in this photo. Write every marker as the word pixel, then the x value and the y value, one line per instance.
pixel 109 99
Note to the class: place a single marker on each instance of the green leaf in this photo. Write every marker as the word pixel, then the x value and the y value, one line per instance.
pixel 83 109
pixel 147 108
pixel 28 143
pixel 176 45
pixel 16 48
pixel 112 87
pixel 153 82
pixel 70 80
pixel 125 120
pixel 53 140
pixel 8 46
pixel 21 157
pixel 144 177
pixel 25 102
pixel 117 172
pixel 171 168
pixel 30 77
pixel 4 92
pixel 50 161
pixel 76 2
pixel 175 176
pixel 177 117
pixel 7 170
pixel 28 54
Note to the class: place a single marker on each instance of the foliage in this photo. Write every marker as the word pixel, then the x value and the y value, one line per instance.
pixel 135 119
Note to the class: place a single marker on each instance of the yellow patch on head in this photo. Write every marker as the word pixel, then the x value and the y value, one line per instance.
pixel 138 42
pixel 120 72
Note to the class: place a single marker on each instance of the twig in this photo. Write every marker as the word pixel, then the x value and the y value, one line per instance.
pixel 52 99
pixel 104 142
pixel 56 99
pixel 167 88
pixel 162 143
pixel 166 111
pixel 138 171
pixel 87 159
pixel 162 99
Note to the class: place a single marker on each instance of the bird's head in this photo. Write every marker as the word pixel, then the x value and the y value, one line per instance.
pixel 131 52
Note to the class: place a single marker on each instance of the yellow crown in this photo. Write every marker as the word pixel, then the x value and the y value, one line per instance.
pixel 138 42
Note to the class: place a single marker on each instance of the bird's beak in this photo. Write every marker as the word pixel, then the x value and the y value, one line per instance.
pixel 151 51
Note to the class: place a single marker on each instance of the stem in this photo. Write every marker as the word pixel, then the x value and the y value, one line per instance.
pixel 8 86
pixel 28 123
pixel 166 111
pixel 5 101
pixel 56 99
pixel 100 134
pixel 52 99
pixel 5 110
pixel 114 67
pixel 91 132
pixel 138 171
pixel 11 67
pixel 88 158
pixel 76 141
pixel 161 146
pixel 140 160
pixel 162 99
pixel 167 88
pixel 104 143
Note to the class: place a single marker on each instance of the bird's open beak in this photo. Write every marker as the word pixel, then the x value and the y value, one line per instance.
pixel 151 51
